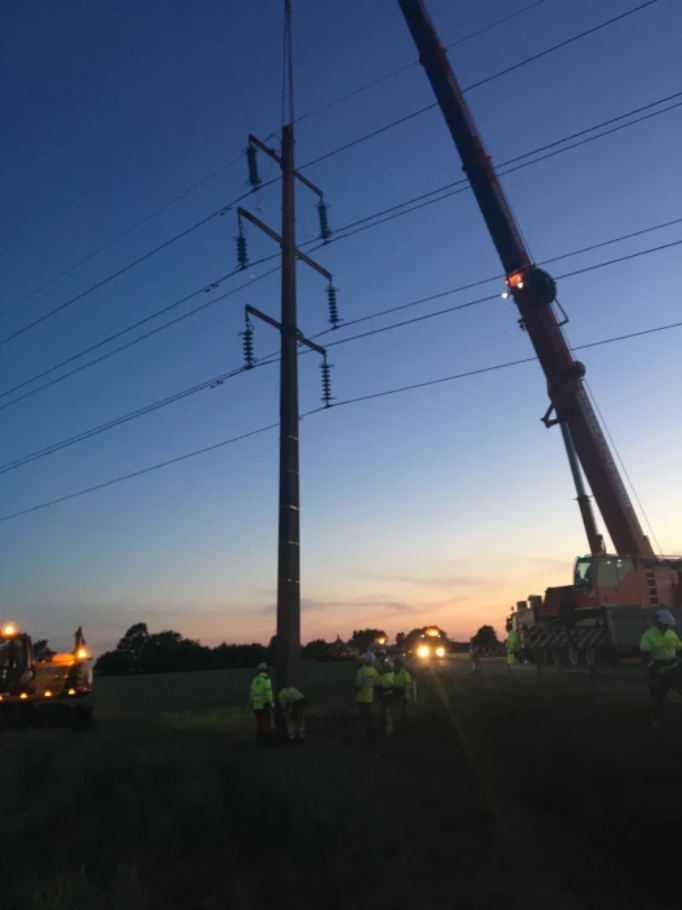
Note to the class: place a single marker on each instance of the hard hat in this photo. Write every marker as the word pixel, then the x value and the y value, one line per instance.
pixel 389 664
pixel 369 658
pixel 263 668
pixel 665 617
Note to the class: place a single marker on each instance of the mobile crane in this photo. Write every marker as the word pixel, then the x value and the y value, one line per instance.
pixel 612 597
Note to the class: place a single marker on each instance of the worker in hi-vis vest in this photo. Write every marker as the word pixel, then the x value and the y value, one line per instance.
pixel 367 680
pixel 263 704
pixel 403 689
pixel 293 705
pixel 659 648
pixel 513 645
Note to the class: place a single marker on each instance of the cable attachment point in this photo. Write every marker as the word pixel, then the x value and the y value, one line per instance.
pixel 323 214
pixel 240 239
pixel 247 335
pixel 252 164
pixel 327 396
pixel 333 305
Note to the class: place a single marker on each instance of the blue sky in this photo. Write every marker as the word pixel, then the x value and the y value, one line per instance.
pixel 439 505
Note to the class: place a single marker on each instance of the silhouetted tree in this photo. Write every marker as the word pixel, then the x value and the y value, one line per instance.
pixel 42 650
pixel 318 649
pixel 134 641
pixel 486 635
pixel 400 640
pixel 412 638
pixel 364 638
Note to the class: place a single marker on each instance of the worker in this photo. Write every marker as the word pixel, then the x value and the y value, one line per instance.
pixel 367 679
pixel 513 645
pixel 659 648
pixel 293 705
pixel 263 704
pixel 387 697
pixel 403 689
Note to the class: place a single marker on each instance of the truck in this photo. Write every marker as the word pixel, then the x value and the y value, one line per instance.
pixel 612 596
pixel 31 686
pixel 432 644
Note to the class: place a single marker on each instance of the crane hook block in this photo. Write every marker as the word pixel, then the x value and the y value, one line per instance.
pixel 535 287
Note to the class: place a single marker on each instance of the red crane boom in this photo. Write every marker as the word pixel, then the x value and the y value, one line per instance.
pixel 533 291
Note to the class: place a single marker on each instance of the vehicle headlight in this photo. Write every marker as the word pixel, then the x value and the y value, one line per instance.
pixel 423 651
pixel 440 652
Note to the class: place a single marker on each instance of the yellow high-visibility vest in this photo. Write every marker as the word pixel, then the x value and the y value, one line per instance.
pixel 261 692
pixel 365 682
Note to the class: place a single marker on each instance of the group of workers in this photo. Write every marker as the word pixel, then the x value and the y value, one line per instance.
pixel 390 681
pixel 292 702
pixel 660 649
pixel 379 681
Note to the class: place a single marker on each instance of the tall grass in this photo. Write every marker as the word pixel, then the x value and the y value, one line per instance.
pixel 503 794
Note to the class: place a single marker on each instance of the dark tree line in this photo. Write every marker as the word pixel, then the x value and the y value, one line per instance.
pixel 140 651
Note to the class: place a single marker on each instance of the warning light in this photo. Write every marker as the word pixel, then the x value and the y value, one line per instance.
pixel 48 694
pixel 81 654
pixel 72 691
pixel 9 630
pixel 515 280
pixel 23 695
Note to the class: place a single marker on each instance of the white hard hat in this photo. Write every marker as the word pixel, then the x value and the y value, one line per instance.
pixel 369 658
pixel 665 617
pixel 263 667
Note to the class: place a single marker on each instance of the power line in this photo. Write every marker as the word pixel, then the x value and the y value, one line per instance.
pixel 359 226
pixel 460 186
pixel 273 358
pixel 485 81
pixel 131 265
pixel 237 158
pixel 500 276
pixel 408 66
pixel 163 464
pixel 491 297
pixel 122 235
pixel 500 366
pixel 345 402
pixel 128 344
pixel 342 232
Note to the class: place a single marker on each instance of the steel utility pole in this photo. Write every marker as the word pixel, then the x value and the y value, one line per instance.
pixel 289 544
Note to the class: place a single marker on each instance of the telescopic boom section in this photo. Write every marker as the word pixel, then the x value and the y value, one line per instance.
pixel 533 291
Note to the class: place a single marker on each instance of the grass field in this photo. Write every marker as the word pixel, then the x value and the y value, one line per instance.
pixel 503 794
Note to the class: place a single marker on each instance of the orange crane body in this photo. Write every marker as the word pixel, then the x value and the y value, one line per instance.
pixel 635 578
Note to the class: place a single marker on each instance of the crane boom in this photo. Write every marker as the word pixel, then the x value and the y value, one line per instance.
pixel 533 291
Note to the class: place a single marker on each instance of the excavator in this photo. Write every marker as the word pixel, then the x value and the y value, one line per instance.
pixel 29 684
pixel 612 596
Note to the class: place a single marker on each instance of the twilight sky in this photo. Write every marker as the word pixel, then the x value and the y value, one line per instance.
pixel 444 504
